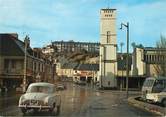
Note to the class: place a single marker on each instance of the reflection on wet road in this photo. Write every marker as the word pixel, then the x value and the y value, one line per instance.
pixel 80 101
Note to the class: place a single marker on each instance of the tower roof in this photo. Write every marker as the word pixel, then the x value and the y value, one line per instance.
pixel 107 9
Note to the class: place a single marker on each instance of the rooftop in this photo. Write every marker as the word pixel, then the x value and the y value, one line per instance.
pixel 88 67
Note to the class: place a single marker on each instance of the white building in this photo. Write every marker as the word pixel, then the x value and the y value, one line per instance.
pixel 108 47
pixel 48 49
pixel 149 61
pixel 138 65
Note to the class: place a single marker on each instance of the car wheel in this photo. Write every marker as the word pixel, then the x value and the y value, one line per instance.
pixel 164 102
pixel 23 110
pixel 52 109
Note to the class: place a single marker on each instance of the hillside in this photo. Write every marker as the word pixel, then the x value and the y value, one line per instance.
pixel 80 57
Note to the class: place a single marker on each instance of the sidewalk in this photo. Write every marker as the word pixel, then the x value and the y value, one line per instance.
pixel 146 106
pixel 9 95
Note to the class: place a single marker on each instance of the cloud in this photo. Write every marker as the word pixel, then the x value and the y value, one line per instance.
pixel 48 20
pixel 147 21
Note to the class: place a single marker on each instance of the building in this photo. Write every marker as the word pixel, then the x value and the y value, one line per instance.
pixel 121 64
pixel 108 49
pixel 149 61
pixel 122 71
pixel 12 59
pixel 86 72
pixel 48 49
pixel 68 70
pixel 71 46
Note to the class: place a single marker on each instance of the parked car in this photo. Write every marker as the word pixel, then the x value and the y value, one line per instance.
pixel 157 97
pixel 61 86
pixel 40 96
pixel 153 85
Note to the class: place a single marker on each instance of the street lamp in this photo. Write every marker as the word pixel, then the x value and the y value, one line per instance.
pixel 121 80
pixel 127 61
pixel 102 64
pixel 101 77
pixel 25 63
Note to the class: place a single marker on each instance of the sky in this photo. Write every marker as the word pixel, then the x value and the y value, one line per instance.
pixel 46 21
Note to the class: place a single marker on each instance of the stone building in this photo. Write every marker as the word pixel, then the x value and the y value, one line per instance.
pixel 149 61
pixel 108 49
pixel 71 46
pixel 12 56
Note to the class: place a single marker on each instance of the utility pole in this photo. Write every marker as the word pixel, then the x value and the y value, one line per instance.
pixel 26 41
pixel 121 83
pixel 101 79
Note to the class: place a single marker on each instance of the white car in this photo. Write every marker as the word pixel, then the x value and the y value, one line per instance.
pixel 157 97
pixel 60 86
pixel 40 96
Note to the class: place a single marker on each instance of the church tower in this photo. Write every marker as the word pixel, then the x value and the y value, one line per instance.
pixel 108 49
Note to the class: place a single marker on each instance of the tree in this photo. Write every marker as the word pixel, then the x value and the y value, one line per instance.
pixel 161 43
pixel 121 45
pixel 161 53
pixel 133 44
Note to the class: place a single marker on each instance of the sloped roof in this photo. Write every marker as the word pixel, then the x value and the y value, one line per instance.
pixel 88 67
pixel 11 46
pixel 8 47
pixel 69 65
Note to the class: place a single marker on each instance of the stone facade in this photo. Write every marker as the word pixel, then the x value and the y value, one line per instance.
pixel 12 56
pixel 108 48
pixel 149 61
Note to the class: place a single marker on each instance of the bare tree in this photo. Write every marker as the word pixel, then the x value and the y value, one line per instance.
pixel 121 45
pixel 161 53
pixel 161 43
pixel 133 44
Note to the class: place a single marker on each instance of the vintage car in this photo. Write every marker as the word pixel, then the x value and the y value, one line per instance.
pixel 157 97
pixel 60 86
pixel 153 85
pixel 39 97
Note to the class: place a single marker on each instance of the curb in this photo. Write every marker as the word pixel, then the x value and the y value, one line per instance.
pixel 146 106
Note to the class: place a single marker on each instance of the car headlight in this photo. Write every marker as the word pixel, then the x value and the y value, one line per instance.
pixel 156 98
pixel 46 101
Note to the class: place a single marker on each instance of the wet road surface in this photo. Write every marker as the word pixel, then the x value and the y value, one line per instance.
pixel 81 101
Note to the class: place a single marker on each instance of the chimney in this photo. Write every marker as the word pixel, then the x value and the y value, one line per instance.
pixel 27 41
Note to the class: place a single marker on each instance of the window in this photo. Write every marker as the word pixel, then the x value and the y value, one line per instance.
pixel 108 36
pixel 39 67
pixel 13 64
pixel 159 85
pixel 34 66
pixel 6 64
pixel 148 83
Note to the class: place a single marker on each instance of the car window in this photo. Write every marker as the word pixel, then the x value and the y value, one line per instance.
pixel 39 89
pixel 148 83
pixel 159 86
pixel 164 90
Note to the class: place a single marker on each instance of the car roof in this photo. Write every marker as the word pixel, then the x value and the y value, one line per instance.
pixel 42 84
pixel 158 78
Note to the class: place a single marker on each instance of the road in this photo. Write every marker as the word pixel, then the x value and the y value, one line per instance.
pixel 82 101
